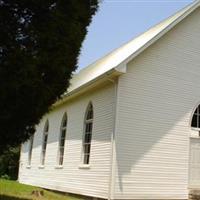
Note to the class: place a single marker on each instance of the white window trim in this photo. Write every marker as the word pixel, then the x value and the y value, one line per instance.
pixel 59 167
pixel 41 166
pixel 195 129
pixel 86 121
pixel 30 151
pixel 198 118
pixel 84 166
pixel 45 133
pixel 65 117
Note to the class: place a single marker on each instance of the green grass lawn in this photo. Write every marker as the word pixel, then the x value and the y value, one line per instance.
pixel 12 190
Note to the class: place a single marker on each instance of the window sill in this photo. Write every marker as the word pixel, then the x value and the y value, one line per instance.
pixel 41 167
pixel 84 166
pixel 28 166
pixel 195 129
pixel 59 167
pixel 194 136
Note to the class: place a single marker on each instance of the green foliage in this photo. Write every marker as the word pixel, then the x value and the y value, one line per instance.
pixel 9 163
pixel 5 176
pixel 11 190
pixel 39 46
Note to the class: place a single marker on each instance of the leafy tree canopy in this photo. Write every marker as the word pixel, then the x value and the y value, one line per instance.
pixel 39 45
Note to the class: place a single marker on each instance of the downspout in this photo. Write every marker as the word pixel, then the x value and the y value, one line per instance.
pixel 113 144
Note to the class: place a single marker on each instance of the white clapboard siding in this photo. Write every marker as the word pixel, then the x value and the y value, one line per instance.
pixel 194 171
pixel 156 98
pixel 93 181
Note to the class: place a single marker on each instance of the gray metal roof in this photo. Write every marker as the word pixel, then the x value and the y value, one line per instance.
pixel 117 59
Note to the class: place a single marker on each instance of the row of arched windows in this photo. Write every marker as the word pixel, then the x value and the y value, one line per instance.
pixel 87 137
pixel 86 143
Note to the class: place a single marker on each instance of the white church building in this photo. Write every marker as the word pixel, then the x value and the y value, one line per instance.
pixel 129 125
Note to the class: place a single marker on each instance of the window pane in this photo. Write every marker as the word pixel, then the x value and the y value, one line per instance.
pixel 62 143
pixel 63 133
pixel 46 127
pixel 87 134
pixel 43 157
pixel 61 161
pixel 194 121
pixel 86 159
pixel 88 127
pixel 61 153
pixel 44 142
pixel 45 138
pixel 65 123
pixel 86 148
pixel 88 138
pixel 62 140
pixel 89 112
pixel 30 150
pixel 196 111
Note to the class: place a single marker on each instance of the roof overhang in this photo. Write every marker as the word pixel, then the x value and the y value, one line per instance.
pixel 115 63
pixel 101 80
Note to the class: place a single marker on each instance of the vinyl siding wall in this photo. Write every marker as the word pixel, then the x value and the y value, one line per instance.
pixel 91 182
pixel 156 98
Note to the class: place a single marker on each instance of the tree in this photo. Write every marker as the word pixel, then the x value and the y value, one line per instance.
pixel 39 45
pixel 9 163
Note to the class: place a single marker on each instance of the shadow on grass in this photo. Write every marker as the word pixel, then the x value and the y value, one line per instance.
pixel 5 197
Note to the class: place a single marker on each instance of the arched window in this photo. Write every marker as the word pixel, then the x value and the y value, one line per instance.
pixel 30 149
pixel 44 142
pixel 196 118
pixel 87 133
pixel 62 137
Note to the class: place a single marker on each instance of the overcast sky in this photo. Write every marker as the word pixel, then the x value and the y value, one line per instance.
pixel 118 21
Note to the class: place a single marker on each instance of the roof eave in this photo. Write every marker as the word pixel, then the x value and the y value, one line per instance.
pixel 114 72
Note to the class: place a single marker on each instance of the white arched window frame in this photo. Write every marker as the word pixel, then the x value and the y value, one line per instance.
pixel 44 142
pixel 62 137
pixel 30 150
pixel 87 137
pixel 196 118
